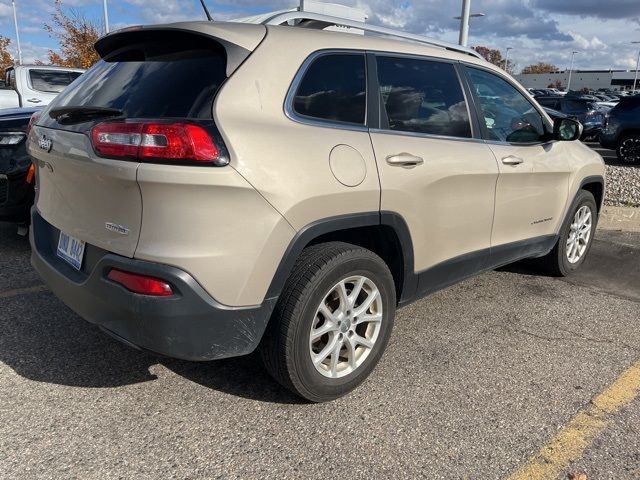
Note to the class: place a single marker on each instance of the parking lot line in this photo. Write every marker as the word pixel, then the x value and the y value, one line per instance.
pixel 582 429
pixel 23 291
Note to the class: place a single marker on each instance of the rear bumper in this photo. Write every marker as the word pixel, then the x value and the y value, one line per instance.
pixel 16 198
pixel 591 131
pixel 189 324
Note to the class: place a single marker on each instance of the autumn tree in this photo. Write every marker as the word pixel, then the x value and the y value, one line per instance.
pixel 76 35
pixel 495 56
pixel 6 59
pixel 540 67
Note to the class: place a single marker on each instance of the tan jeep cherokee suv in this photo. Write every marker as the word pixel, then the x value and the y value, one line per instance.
pixel 208 189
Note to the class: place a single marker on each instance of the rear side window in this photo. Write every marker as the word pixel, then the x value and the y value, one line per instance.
pixel 176 77
pixel 334 88
pixel 51 81
pixel 549 103
pixel 576 106
pixel 422 96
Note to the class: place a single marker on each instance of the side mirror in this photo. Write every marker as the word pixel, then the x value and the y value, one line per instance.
pixel 567 129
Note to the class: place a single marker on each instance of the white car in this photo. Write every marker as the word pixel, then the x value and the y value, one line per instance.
pixel 35 85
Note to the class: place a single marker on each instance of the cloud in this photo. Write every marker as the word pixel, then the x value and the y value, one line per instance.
pixel 629 9
pixel 585 44
pixel 5 10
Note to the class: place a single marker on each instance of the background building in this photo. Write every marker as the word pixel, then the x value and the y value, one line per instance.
pixel 591 79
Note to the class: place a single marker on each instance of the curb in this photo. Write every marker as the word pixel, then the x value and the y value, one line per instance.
pixel 620 218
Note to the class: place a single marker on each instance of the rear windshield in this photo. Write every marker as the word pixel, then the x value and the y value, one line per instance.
pixel 177 79
pixel 51 81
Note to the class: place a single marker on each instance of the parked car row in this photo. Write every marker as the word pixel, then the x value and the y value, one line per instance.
pixel 587 112
pixel 622 130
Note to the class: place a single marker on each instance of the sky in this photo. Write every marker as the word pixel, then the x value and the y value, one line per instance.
pixel 601 31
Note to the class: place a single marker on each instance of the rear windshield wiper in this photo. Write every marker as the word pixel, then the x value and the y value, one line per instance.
pixel 82 113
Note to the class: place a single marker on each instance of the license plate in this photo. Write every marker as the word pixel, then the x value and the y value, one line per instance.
pixel 71 250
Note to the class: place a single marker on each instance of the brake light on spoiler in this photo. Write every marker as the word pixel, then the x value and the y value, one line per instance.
pixel 157 142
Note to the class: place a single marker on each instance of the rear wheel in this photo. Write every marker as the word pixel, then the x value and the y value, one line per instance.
pixel 575 238
pixel 629 149
pixel 332 322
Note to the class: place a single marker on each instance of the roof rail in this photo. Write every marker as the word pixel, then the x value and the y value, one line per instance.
pixel 318 21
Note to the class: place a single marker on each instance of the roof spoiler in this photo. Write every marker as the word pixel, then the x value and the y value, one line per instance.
pixel 239 40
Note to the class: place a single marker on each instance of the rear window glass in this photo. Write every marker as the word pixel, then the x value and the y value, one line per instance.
pixel 172 79
pixel 51 81
pixel 422 96
pixel 576 106
pixel 334 88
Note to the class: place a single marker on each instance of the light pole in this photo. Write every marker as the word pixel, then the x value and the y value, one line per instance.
pixel 573 54
pixel 106 16
pixel 635 79
pixel 15 22
pixel 464 21
pixel 506 59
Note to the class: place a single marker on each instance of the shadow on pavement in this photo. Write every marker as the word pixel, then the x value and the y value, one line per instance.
pixel 242 376
pixel 613 265
pixel 44 341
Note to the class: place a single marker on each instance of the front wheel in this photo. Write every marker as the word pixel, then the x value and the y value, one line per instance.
pixel 332 321
pixel 628 150
pixel 576 236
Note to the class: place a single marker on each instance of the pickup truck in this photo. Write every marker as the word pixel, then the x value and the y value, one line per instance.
pixel 34 85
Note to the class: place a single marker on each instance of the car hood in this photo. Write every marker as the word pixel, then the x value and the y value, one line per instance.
pixel 13 113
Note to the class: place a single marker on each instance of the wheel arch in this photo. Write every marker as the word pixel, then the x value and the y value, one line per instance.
pixel 628 131
pixel 595 186
pixel 384 233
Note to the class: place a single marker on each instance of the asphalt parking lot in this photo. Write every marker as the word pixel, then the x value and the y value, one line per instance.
pixel 476 381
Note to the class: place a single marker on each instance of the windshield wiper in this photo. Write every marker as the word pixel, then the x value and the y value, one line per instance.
pixel 82 113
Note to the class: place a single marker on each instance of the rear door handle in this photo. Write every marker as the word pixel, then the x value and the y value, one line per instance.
pixel 512 160
pixel 34 100
pixel 404 160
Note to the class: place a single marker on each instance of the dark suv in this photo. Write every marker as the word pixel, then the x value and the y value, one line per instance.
pixel 586 112
pixel 622 130
pixel 17 174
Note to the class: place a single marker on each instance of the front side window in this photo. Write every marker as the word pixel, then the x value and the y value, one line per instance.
pixel 508 115
pixel 334 88
pixel 422 96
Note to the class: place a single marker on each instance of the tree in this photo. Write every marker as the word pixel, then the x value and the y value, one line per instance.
pixel 494 56
pixel 540 67
pixel 76 35
pixel 6 59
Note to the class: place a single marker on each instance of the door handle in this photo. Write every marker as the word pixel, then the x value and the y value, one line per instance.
pixel 512 160
pixel 34 100
pixel 404 160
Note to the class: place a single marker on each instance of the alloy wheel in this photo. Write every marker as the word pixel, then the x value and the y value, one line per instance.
pixel 630 150
pixel 346 326
pixel 579 234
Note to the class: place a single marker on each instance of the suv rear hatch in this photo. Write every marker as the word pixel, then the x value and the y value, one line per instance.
pixel 154 86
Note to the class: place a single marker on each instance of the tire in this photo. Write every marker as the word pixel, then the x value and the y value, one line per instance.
pixel 287 347
pixel 558 262
pixel 628 149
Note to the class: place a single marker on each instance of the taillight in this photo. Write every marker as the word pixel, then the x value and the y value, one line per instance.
pixel 31 173
pixel 142 284
pixel 32 121
pixel 161 142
